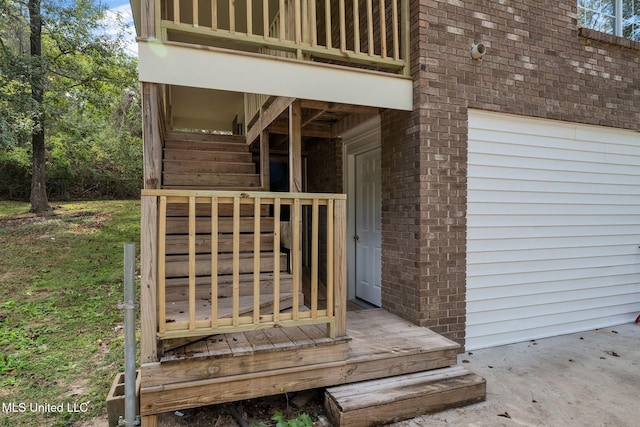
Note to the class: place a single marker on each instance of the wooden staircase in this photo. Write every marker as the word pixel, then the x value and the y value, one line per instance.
pixel 216 162
pixel 207 161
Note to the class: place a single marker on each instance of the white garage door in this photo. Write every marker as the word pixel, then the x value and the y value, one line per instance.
pixel 553 228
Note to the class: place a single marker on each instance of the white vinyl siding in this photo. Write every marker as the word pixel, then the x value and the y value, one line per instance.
pixel 553 228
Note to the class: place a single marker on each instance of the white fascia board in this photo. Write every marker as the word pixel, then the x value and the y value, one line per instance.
pixel 241 72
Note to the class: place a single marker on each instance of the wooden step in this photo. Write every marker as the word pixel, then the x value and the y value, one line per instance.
pixel 179 244
pixel 173 136
pixel 177 288
pixel 398 398
pixel 180 225
pixel 207 145
pixel 213 180
pixel 178 265
pixel 178 311
pixel 210 156
pixel 204 210
pixel 197 166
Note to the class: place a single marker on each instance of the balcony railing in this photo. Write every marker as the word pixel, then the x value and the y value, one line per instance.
pixel 233 261
pixel 372 32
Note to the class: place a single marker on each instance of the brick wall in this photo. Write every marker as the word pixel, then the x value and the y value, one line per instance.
pixel 538 64
pixel 324 175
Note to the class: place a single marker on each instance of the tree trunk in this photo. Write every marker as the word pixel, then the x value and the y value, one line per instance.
pixel 39 201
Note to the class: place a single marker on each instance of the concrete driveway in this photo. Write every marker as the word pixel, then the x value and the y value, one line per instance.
pixel 585 379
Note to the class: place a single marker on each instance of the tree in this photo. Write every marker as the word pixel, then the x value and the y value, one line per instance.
pixel 70 54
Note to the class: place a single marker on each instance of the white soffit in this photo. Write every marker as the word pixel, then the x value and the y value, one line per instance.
pixel 241 72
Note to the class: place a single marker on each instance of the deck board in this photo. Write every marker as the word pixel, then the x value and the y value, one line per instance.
pixel 265 362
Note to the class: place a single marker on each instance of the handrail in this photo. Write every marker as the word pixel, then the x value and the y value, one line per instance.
pixel 245 287
pixel 372 32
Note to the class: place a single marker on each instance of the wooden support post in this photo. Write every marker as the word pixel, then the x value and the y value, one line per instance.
pixel 150 421
pixel 152 140
pixel 340 267
pixel 295 147
pixel 148 277
pixel 265 176
pixel 149 19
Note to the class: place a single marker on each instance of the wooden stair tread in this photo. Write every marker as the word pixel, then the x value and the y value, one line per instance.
pixel 179 311
pixel 207 137
pixel 402 397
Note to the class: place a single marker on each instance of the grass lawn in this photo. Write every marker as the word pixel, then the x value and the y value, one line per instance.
pixel 61 338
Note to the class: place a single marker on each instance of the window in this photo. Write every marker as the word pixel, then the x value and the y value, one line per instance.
pixel 619 17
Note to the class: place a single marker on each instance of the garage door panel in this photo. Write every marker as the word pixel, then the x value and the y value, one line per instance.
pixel 502 171
pixel 547 303
pixel 553 198
pixel 557 265
pixel 551 220
pixel 553 228
pixel 514 288
pixel 550 243
pixel 504 208
pixel 507 333
pixel 492 142
pixel 553 276
pixel 579 254
pixel 474 233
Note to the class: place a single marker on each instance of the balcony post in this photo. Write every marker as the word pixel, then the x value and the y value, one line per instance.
pixel 340 268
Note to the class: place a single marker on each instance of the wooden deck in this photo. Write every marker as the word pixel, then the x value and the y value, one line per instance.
pixel 240 366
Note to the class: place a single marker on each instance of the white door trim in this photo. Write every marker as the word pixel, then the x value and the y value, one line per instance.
pixel 358 140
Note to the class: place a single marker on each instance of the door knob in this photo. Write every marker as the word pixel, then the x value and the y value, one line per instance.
pixel 356 237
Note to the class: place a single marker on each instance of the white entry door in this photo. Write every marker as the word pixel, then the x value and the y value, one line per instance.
pixel 368 235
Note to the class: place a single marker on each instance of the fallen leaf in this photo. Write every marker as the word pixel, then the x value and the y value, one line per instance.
pixel 615 332
pixel 490 367
pixel 612 353
pixel 505 415
pixel 465 361
pixel 570 360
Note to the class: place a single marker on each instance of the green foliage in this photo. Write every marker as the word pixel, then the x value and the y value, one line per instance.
pixel 302 420
pixel 60 335
pixel 91 106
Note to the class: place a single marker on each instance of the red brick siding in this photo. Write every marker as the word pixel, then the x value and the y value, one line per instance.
pixel 537 65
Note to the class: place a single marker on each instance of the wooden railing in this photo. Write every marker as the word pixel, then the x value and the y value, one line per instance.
pixel 373 32
pixel 221 266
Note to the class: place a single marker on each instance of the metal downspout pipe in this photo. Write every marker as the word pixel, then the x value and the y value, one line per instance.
pixel 130 306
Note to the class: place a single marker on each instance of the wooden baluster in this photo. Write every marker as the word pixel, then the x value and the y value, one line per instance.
pixel 370 27
pixel 314 24
pixel 256 260
pixel 296 262
pixel 282 15
pixel 297 15
pixel 343 37
pixel 330 267
pixel 383 29
pixel 396 47
pixel 314 258
pixel 404 36
pixel 195 13
pixel 162 250
pixel 214 262
pixel 276 259
pixel 327 22
pixel 192 263
pixel 176 11
pixel 214 14
pixel 265 18
pixel 356 26
pixel 249 17
pixel 232 16
pixel 236 261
